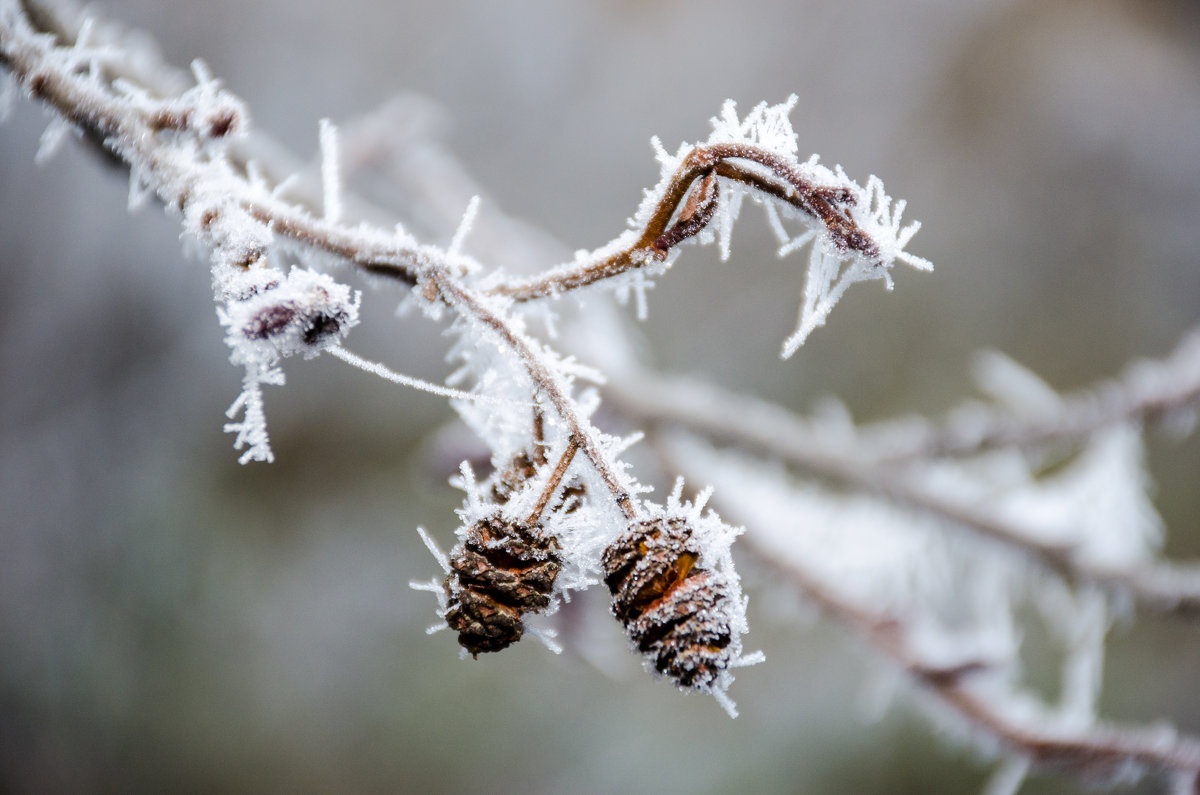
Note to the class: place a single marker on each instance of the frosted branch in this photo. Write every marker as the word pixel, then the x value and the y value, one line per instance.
pixel 1093 752
pixel 236 218
pixel 1149 390
pixel 855 232
pixel 1169 588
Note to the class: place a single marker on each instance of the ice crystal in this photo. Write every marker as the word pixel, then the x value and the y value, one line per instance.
pixel 331 180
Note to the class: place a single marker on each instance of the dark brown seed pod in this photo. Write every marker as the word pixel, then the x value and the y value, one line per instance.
pixel 499 572
pixel 675 612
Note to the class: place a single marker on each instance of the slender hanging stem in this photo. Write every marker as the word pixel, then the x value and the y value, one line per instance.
pixel 556 477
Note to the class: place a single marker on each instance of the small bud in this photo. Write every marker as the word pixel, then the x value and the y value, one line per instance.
pixel 278 316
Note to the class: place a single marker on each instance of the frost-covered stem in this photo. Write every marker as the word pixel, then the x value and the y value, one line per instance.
pixel 177 173
pixel 551 486
pixel 750 165
pixel 539 437
pixel 1171 589
pixel 130 134
pixel 1147 391
pixel 376 254
pixel 1091 752
pixel 468 303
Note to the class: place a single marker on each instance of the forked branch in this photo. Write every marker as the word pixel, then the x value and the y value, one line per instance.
pixel 687 205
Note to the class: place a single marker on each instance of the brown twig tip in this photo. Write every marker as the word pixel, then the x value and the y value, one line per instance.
pixel 825 203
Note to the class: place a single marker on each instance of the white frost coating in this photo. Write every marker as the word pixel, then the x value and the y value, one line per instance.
pixel 434 549
pixel 547 637
pixel 857 546
pixel 252 429
pixel 1008 777
pixel 1013 385
pixel 464 227
pixel 8 95
pixel 388 374
pixel 434 585
pixel 1083 635
pixel 140 190
pixel 766 125
pixel 1098 505
pixel 52 139
pixel 957 599
pixel 831 272
pixel 728 211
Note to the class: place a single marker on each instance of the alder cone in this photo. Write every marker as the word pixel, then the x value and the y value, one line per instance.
pixel 674 611
pixel 501 571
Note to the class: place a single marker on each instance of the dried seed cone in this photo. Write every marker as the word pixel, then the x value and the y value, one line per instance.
pixel 675 612
pixel 501 571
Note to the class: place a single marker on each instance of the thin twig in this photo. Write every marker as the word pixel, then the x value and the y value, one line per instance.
pixel 552 484
pixel 749 165
pixel 473 306
pixel 176 173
